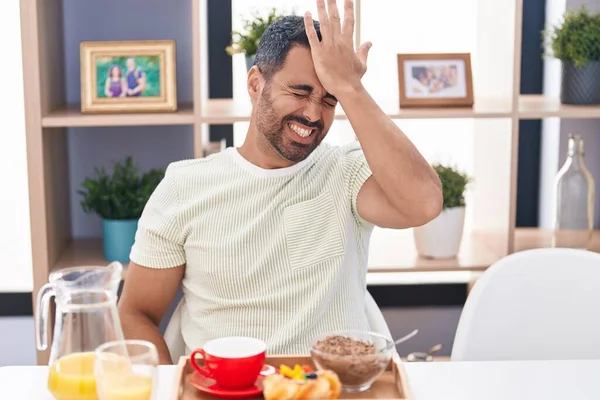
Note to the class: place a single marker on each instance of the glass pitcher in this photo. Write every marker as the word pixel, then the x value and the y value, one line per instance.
pixel 86 317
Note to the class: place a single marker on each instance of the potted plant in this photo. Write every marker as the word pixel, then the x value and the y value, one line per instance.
pixel 441 237
pixel 119 199
pixel 247 42
pixel 576 42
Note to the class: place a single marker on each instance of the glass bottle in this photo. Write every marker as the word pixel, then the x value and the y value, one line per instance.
pixel 574 201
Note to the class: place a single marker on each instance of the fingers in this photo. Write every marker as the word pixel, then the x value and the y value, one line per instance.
pixel 324 21
pixel 334 17
pixel 363 52
pixel 311 32
pixel 349 20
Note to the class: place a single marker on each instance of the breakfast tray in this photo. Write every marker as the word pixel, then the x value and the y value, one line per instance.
pixel 392 384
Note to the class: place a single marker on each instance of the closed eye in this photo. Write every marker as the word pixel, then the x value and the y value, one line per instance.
pixel 327 101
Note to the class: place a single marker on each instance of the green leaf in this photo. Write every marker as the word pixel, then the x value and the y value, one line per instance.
pixel 454 184
pixel 121 194
pixel 247 41
pixel 575 39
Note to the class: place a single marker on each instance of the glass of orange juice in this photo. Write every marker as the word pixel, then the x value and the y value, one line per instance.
pixel 126 370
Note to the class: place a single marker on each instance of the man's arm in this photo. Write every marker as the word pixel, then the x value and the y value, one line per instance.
pixel 157 266
pixel 146 296
pixel 404 190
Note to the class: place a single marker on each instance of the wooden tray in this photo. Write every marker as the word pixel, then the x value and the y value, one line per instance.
pixel 393 384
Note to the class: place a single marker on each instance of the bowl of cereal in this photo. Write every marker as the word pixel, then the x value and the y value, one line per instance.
pixel 357 357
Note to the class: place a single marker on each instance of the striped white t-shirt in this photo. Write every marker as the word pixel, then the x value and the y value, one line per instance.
pixel 276 254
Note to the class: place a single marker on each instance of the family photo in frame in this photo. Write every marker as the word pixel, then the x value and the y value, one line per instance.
pixel 128 76
pixel 435 80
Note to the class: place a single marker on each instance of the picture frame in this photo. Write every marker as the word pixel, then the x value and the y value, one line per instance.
pixel 128 76
pixel 435 80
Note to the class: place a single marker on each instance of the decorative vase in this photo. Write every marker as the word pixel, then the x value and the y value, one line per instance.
pixel 574 200
pixel 249 62
pixel 441 237
pixel 580 85
pixel 118 238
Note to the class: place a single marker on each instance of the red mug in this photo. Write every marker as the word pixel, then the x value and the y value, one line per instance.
pixel 232 362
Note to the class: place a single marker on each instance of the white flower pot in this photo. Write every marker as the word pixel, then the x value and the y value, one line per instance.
pixel 441 237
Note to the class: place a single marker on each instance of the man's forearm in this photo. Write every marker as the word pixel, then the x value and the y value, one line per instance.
pixel 398 167
pixel 138 326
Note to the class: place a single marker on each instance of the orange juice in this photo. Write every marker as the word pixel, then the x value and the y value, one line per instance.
pixel 72 377
pixel 127 387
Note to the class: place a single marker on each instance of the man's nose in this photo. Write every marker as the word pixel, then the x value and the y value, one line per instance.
pixel 312 110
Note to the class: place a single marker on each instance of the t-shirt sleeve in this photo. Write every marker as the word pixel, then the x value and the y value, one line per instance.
pixel 356 172
pixel 159 241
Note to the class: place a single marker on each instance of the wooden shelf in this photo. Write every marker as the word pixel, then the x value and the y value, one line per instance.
pixel 82 252
pixel 539 106
pixel 394 251
pixel 71 116
pixel 391 251
pixel 534 238
pixel 227 111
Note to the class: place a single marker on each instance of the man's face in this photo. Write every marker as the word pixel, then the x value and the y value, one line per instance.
pixel 293 110
pixel 130 64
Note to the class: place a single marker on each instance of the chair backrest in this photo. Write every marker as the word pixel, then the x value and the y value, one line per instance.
pixel 176 344
pixel 533 305
pixel 173 337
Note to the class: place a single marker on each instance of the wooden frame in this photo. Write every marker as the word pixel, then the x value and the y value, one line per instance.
pixel 96 100
pixel 461 63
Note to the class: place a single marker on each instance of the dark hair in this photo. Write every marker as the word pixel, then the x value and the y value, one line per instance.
pixel 110 71
pixel 278 39
pixel 418 71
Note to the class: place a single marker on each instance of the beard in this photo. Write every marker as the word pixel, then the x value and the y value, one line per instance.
pixel 272 128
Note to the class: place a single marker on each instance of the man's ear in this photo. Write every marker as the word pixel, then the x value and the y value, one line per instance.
pixel 255 82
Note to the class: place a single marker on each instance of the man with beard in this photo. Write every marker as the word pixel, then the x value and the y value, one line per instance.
pixel 270 240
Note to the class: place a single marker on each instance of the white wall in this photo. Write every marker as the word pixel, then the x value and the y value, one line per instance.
pixel 555 132
pixel 15 238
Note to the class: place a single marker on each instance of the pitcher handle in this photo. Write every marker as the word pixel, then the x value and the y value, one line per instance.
pixel 41 317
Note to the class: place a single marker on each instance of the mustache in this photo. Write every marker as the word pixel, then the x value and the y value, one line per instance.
pixel 317 124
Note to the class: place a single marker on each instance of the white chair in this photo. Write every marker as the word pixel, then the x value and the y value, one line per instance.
pixel 176 344
pixel 533 305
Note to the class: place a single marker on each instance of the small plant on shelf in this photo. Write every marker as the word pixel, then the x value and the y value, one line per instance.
pixel 246 42
pixel 119 197
pixel 575 41
pixel 454 185
pixel 441 237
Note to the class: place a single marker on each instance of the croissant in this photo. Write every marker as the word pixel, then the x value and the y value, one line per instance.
pixel 326 386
